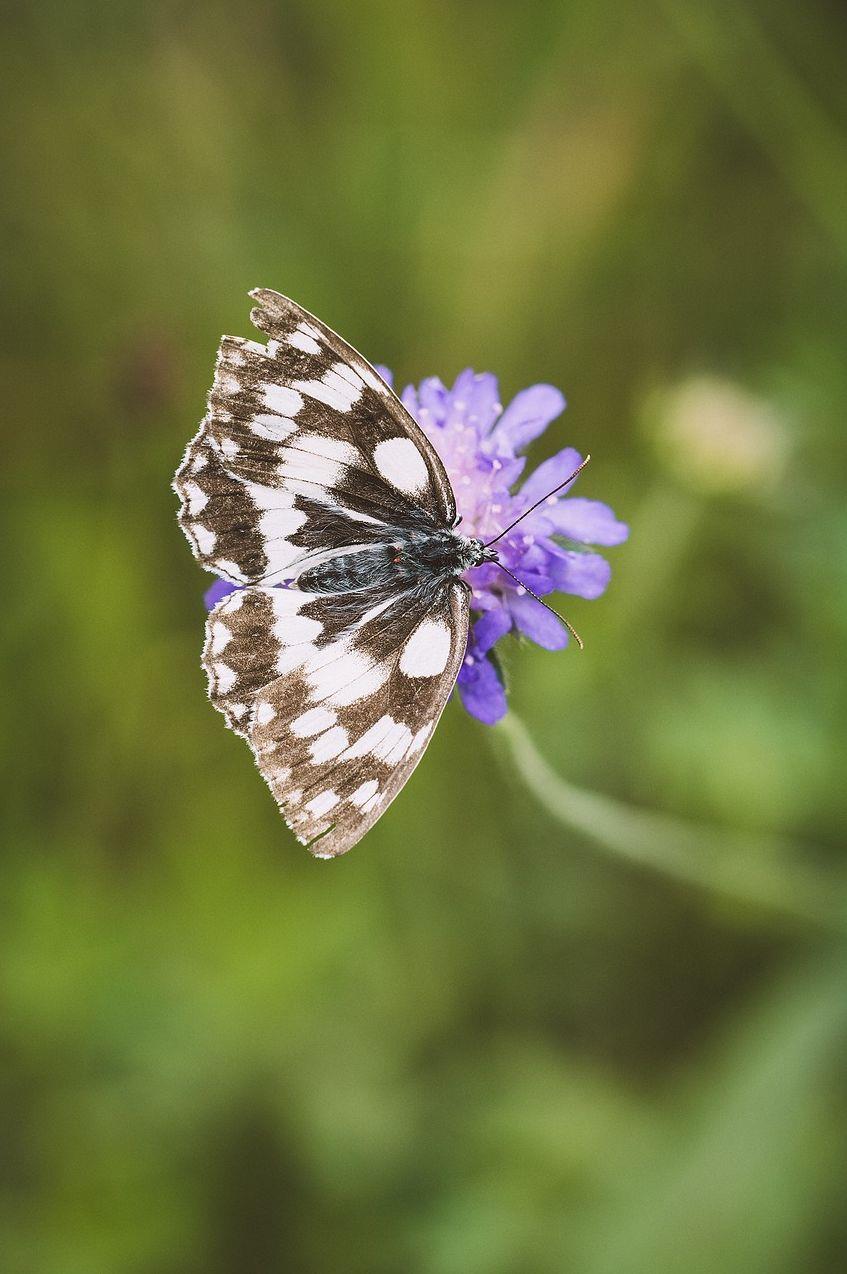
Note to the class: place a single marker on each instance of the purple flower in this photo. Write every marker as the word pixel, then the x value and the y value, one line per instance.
pixel 479 443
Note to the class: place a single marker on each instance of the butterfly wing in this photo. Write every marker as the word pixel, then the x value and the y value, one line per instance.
pixel 337 695
pixel 303 449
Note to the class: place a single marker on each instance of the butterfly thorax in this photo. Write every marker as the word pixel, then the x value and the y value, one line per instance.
pixel 422 559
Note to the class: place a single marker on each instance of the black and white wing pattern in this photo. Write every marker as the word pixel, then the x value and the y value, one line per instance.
pixel 337 710
pixel 303 447
pixel 306 476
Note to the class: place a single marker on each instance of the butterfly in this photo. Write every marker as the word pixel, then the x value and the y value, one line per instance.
pixel 311 487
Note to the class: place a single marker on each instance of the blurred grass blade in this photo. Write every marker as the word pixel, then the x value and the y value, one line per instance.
pixel 743 1176
pixel 773 104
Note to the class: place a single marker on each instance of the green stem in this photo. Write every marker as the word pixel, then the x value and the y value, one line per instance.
pixel 758 871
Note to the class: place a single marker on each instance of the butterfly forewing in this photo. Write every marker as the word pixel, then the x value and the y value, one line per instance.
pixel 353 689
pixel 297 430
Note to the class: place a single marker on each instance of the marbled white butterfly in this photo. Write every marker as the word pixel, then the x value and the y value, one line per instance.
pixel 311 487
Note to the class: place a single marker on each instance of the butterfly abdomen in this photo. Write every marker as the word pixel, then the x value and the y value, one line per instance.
pixel 409 559
pixel 363 568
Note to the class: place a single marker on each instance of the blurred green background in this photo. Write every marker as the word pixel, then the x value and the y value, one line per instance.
pixel 584 1018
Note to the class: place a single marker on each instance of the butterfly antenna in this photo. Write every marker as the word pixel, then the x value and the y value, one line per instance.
pixel 531 508
pixel 567 624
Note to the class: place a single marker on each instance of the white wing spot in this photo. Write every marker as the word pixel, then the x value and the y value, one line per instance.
pixel 371 378
pixel 301 340
pixel 367 684
pixel 288 601
pixel 327 679
pixel 313 722
pixel 256 347
pixel 266 498
pixel 364 793
pixel 371 739
pixel 282 399
pixel 400 462
pixel 265 713
pixel 232 569
pixel 395 745
pixel 421 738
pixel 225 677
pixel 292 657
pixel 333 389
pixel 221 637
pixel 275 428
pixel 322 804
pixel 275 524
pixel 329 448
pixel 427 650
pixel 329 745
pixel 305 466
pixel 353 377
pixel 294 630
pixel 197 498
pixel 204 537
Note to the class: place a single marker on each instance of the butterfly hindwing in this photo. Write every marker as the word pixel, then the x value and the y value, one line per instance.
pixel 303 448
pixel 353 688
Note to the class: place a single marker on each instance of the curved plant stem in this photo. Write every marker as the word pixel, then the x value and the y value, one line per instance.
pixel 758 871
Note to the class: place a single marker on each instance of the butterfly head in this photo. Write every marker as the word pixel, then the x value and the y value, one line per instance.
pixel 473 552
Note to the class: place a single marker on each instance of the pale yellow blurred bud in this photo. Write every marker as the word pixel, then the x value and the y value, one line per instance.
pixel 717 437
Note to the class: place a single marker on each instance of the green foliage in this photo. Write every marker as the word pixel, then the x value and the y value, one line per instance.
pixel 517 1031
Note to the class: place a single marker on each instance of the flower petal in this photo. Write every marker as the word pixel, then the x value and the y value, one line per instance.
pixel 483 598
pixel 409 399
pixel 584 574
pixel 537 623
pixel 476 400
pixel 533 557
pixel 489 628
pixel 549 475
pixel 586 521
pixel 220 589
pixel 481 691
pixel 527 415
pixel 539 583
pixel 385 372
pixel 508 470
pixel 433 400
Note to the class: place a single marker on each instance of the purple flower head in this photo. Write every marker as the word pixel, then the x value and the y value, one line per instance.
pixel 479 443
